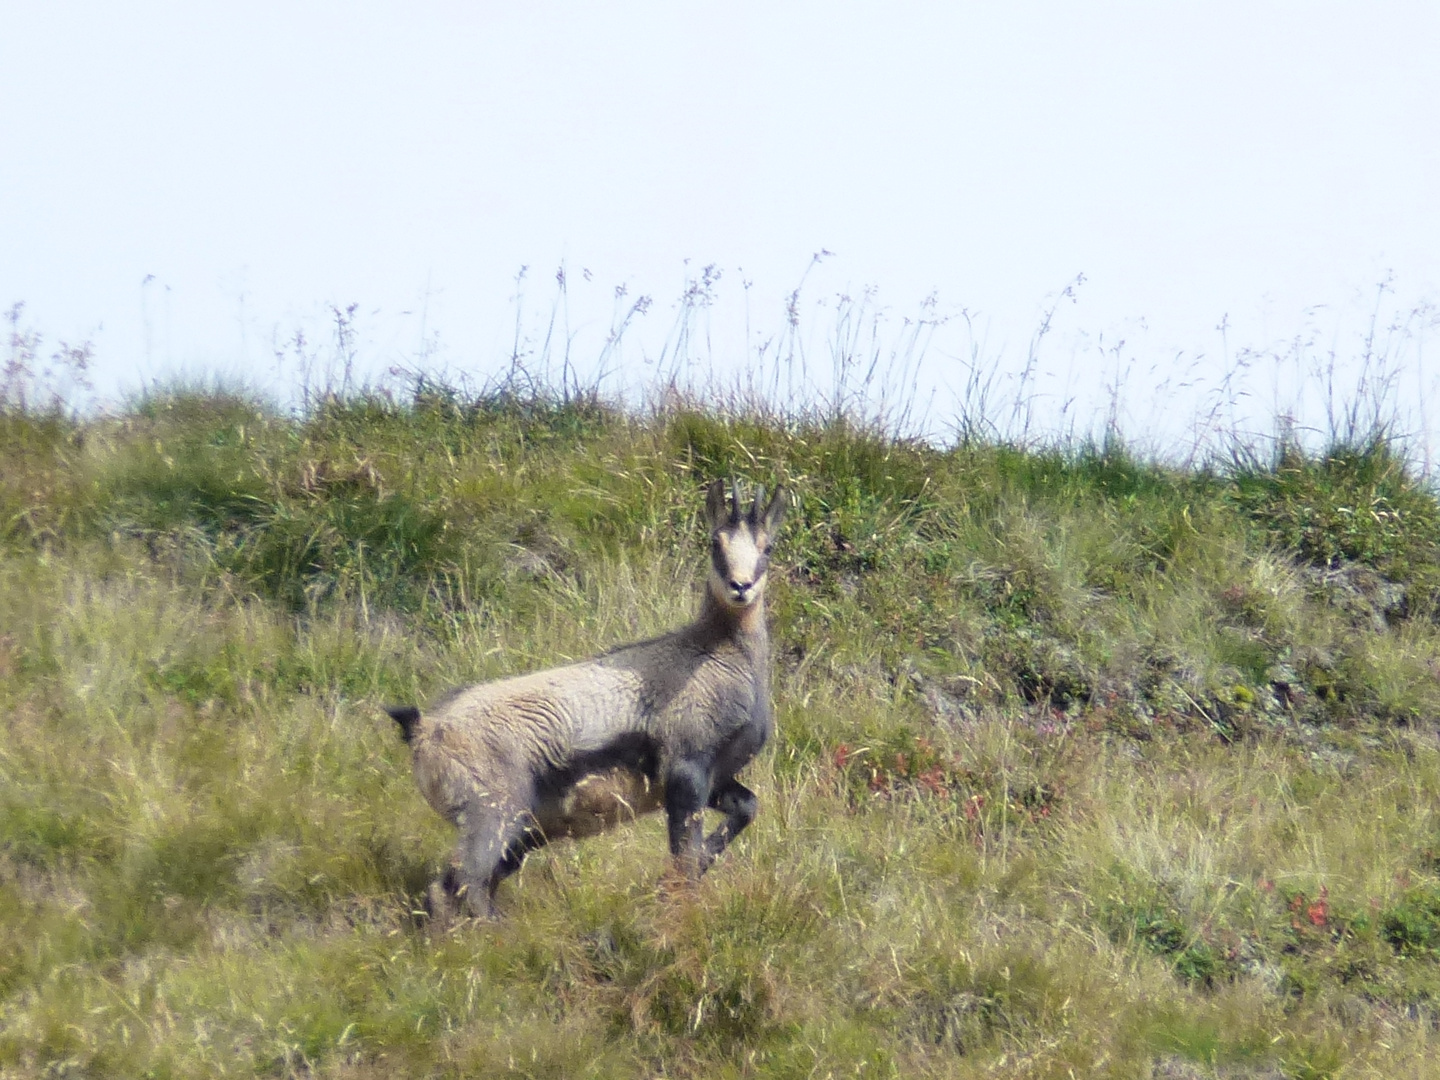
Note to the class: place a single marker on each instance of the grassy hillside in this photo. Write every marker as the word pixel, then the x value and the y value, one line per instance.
pixel 1085 766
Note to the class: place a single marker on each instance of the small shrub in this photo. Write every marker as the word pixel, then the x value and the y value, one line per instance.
pixel 1412 925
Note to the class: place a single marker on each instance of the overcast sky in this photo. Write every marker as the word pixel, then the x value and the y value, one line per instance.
pixel 259 163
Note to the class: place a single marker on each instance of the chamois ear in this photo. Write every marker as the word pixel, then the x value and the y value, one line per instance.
pixel 407 716
pixel 715 505
pixel 774 512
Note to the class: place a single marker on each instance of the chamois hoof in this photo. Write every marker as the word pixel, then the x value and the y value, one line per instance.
pixel 676 886
pixel 445 901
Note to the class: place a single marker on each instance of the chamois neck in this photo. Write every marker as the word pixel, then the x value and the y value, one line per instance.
pixel 747 625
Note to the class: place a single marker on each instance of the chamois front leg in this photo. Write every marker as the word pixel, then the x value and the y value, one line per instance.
pixel 687 790
pixel 738 803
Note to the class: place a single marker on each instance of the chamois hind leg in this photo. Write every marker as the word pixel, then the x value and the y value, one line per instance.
pixel 738 803
pixel 492 846
pixel 528 840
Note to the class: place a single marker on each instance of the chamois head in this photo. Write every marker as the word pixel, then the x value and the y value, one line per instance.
pixel 740 544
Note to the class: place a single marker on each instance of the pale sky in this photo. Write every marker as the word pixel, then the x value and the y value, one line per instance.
pixel 261 162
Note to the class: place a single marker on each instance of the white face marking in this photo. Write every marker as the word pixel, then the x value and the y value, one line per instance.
pixel 738 564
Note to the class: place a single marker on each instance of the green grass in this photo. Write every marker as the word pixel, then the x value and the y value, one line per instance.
pixel 1086 765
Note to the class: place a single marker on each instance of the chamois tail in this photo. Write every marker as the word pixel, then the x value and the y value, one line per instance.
pixel 407 716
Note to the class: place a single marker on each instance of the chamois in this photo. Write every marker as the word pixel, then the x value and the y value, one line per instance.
pixel 574 750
